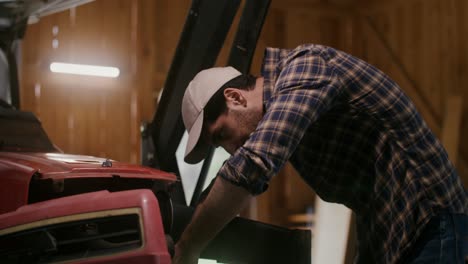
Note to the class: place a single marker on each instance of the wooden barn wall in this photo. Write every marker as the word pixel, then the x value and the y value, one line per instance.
pixel 86 115
pixel 94 115
pixel 420 43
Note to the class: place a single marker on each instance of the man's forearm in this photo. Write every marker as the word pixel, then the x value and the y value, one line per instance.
pixel 222 204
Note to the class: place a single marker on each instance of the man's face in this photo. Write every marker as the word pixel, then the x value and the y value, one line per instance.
pixel 232 128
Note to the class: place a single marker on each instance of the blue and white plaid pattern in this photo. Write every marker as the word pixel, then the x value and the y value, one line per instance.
pixel 356 139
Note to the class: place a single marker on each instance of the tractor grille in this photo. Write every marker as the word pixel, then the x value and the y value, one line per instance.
pixel 72 240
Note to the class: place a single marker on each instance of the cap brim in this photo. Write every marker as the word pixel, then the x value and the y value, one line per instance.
pixel 196 149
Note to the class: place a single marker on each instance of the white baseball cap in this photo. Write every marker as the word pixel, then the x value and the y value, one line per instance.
pixel 199 91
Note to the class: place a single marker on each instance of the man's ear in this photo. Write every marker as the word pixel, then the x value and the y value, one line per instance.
pixel 234 96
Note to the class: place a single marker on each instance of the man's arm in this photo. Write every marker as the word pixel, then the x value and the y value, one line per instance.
pixel 222 204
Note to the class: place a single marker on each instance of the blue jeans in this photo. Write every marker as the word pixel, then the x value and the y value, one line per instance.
pixel 444 240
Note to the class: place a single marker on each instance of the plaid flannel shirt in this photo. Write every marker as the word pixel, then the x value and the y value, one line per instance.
pixel 356 139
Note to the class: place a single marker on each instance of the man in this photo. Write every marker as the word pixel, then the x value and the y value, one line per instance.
pixel 351 133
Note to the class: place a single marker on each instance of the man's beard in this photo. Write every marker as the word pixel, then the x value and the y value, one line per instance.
pixel 247 122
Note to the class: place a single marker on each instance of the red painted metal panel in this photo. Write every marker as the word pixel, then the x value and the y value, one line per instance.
pixel 14 184
pixel 155 248
pixel 58 165
pixel 17 169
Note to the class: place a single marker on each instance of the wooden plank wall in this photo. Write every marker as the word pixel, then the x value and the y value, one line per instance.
pixel 86 115
pixel 420 43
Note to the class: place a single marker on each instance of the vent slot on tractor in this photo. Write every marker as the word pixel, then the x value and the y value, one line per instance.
pixel 72 240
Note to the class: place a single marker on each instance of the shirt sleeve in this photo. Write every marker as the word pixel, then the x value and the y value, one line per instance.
pixel 305 89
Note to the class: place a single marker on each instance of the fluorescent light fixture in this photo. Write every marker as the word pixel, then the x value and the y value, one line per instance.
pixel 207 261
pixel 82 69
